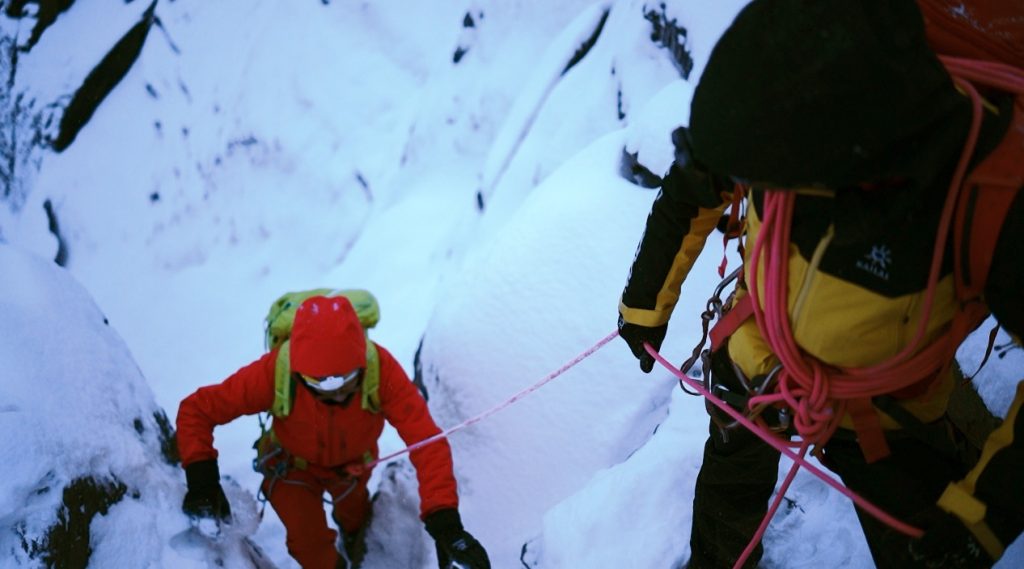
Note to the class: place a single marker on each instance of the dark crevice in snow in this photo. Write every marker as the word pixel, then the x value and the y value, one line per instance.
pixel 365 185
pixel 184 90
pixel 165 434
pixel 417 366
pixel 9 136
pixel 167 36
pixel 233 144
pixel 45 14
pixel 618 103
pixel 66 543
pixel 468 23
pixel 168 439
pixel 528 563
pixel 672 36
pixel 61 258
pixel 102 80
pixel 19 142
pixel 585 47
pixel 632 170
pixel 792 504
pixel 1003 349
pixel 620 112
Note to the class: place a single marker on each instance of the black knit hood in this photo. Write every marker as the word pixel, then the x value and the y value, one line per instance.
pixel 836 94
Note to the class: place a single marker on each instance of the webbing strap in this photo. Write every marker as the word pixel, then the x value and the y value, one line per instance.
pixel 868 427
pixel 741 310
pixel 733 226
pixel 981 210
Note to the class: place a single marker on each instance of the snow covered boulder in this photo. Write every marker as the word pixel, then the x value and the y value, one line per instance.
pixel 89 474
pixel 543 292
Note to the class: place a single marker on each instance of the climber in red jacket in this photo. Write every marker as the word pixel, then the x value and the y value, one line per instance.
pixel 328 429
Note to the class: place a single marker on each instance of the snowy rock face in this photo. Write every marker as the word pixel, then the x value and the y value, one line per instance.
pixel 564 210
pixel 484 167
pixel 90 475
pixel 54 78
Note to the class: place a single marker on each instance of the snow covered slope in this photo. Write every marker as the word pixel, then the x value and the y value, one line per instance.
pixel 470 162
pixel 89 471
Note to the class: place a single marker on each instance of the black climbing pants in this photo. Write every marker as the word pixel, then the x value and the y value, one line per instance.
pixel 739 474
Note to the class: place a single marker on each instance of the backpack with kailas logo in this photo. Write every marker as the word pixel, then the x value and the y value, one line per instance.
pixel 279 327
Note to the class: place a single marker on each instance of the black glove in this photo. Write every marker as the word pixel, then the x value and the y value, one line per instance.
pixel 946 543
pixel 205 498
pixel 454 544
pixel 635 335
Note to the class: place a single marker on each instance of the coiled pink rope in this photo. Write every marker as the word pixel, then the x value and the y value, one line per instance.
pixel 818 394
pixel 815 393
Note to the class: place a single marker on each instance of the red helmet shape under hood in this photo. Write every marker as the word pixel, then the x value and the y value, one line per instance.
pixel 327 338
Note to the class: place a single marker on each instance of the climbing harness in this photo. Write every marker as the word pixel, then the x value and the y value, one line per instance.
pixel 274 463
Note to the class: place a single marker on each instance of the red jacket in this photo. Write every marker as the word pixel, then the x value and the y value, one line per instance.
pixel 325 435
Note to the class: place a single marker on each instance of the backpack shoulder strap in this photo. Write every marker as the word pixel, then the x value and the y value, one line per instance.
pixel 284 387
pixel 983 204
pixel 371 379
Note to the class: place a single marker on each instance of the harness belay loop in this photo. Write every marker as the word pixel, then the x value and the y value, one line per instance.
pixel 274 462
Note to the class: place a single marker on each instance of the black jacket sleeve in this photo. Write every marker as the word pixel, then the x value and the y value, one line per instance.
pixel 685 212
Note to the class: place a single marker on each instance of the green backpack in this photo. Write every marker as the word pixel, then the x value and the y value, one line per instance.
pixel 279 327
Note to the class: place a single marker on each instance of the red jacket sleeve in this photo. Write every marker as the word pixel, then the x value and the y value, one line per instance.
pixel 405 409
pixel 247 391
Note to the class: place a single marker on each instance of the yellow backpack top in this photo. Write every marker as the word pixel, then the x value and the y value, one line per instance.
pixel 279 323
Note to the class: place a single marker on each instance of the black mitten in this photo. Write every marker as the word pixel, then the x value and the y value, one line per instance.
pixel 946 543
pixel 205 497
pixel 635 335
pixel 455 544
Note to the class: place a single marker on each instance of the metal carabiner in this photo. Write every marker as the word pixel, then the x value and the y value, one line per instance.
pixel 713 309
pixel 717 295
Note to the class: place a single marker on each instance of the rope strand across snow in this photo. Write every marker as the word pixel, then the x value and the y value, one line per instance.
pixel 780 445
pixel 473 420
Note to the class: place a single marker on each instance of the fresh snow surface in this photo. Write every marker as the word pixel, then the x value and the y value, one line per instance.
pixel 258 147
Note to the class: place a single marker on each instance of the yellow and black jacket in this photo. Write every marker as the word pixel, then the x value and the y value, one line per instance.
pixel 845 98
pixel 858 271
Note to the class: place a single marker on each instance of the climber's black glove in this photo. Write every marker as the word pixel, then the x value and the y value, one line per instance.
pixel 635 335
pixel 455 544
pixel 946 543
pixel 205 497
